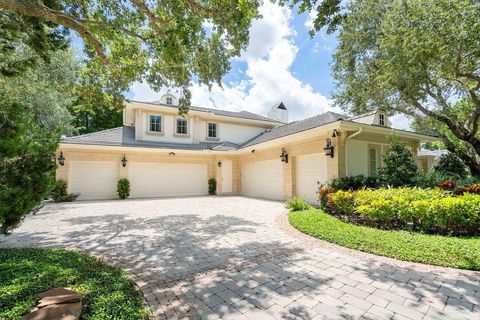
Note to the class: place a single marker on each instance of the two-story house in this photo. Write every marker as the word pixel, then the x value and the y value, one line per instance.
pixel 164 155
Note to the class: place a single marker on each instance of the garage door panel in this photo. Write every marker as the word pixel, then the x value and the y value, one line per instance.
pixel 310 170
pixel 165 180
pixel 93 179
pixel 263 179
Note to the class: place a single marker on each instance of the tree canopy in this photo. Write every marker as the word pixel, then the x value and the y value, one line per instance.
pixel 418 58
pixel 167 43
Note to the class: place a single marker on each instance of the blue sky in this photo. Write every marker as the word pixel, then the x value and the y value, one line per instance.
pixel 281 64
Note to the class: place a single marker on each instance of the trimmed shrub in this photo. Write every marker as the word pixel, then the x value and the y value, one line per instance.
pixel 432 211
pixel 449 165
pixel 59 192
pixel 341 202
pixel 399 169
pixel 354 182
pixel 123 188
pixel 212 186
pixel 297 204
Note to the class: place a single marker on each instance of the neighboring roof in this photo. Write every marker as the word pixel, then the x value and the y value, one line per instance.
pixel 295 127
pixel 432 153
pixel 218 112
pixel 363 115
pixel 125 137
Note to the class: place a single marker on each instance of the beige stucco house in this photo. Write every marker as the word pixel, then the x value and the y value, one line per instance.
pixel 165 155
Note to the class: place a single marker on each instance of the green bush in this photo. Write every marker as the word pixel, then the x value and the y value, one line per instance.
pixel 123 188
pixel 297 204
pixel 354 182
pixel 59 192
pixel 450 166
pixel 212 186
pixel 341 202
pixel 399 169
pixel 432 211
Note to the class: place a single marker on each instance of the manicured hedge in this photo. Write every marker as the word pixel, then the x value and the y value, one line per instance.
pixel 431 211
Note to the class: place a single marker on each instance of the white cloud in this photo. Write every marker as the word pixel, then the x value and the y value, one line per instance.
pixel 267 79
pixel 400 121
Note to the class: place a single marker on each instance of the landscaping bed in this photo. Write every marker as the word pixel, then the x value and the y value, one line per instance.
pixel 108 292
pixel 456 252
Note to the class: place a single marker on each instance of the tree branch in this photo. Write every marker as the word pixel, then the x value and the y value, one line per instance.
pixel 38 9
pixel 142 7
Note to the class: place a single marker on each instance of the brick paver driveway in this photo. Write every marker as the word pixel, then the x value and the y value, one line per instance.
pixel 233 257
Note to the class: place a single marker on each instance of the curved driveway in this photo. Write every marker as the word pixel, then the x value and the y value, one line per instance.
pixel 235 257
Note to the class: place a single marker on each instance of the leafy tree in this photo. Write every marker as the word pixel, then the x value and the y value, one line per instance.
pixel 418 58
pixel 168 43
pixel 33 114
pixel 26 162
pixel 399 169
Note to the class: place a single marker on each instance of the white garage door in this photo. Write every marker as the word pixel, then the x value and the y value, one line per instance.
pixel 311 169
pixel 263 179
pixel 93 179
pixel 149 180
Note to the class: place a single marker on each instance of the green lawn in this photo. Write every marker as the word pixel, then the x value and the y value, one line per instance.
pixel 463 253
pixel 109 294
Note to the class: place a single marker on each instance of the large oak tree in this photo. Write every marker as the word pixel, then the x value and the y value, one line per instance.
pixel 167 43
pixel 418 58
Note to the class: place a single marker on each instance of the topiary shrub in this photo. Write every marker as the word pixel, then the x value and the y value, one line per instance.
pixel 212 186
pixel 123 188
pixel 59 192
pixel 399 169
pixel 297 204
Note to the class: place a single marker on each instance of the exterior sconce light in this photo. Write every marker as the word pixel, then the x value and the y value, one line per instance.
pixel 124 161
pixel 335 133
pixel 219 164
pixel 284 156
pixel 329 148
pixel 171 154
pixel 61 159
pixel 253 151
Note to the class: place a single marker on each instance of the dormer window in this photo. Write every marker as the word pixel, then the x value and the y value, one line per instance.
pixel 182 126
pixel 155 123
pixel 169 101
pixel 381 119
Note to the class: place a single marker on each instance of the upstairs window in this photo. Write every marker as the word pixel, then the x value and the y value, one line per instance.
pixel 182 125
pixel 155 123
pixel 169 101
pixel 381 119
pixel 212 130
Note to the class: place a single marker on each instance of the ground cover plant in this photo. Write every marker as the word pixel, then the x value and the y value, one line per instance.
pixel 25 272
pixel 456 252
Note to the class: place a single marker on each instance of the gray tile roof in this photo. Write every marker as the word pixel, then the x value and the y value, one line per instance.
pixel 295 127
pixel 125 137
pixel 218 112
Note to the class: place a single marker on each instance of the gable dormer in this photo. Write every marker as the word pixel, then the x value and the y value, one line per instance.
pixel 377 118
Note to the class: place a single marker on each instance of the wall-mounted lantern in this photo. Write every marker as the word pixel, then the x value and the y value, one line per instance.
pixel 335 133
pixel 61 159
pixel 253 151
pixel 329 148
pixel 171 154
pixel 284 156
pixel 124 161
pixel 219 164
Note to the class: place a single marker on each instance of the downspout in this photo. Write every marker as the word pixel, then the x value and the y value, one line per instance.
pixel 346 149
